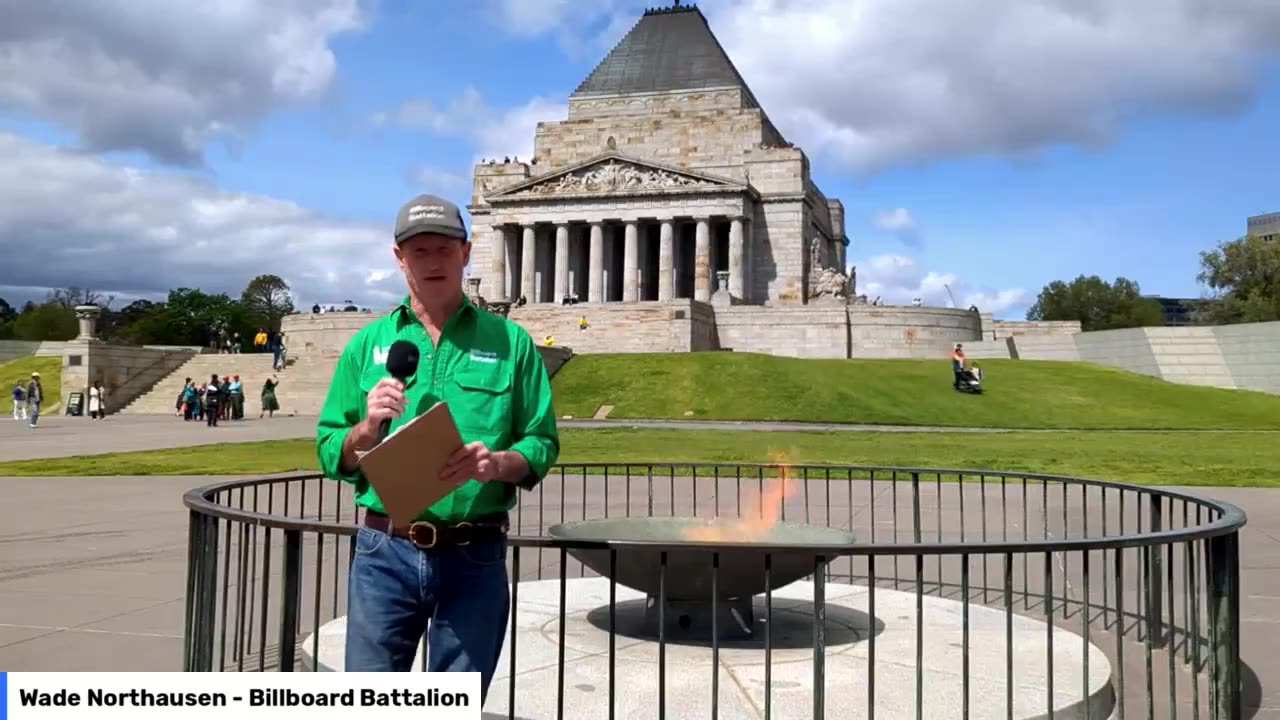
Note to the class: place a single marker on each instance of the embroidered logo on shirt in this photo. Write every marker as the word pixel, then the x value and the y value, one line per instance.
pixel 484 356
pixel 380 355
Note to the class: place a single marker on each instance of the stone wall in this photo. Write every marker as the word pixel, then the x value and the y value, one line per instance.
pixel 905 332
pixel 13 349
pixel 315 335
pixel 1230 356
pixel 705 130
pixel 1045 347
pixel 1020 328
pixel 615 327
pixel 1250 352
pixel 125 372
pixel 814 331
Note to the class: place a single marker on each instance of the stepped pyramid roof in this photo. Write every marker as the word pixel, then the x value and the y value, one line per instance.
pixel 668 49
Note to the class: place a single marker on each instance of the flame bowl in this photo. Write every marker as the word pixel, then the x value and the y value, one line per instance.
pixel 689 570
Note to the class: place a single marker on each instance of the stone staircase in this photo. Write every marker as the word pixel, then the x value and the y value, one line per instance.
pixel 302 389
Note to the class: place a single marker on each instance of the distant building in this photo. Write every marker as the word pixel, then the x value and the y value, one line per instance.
pixel 1177 311
pixel 1266 226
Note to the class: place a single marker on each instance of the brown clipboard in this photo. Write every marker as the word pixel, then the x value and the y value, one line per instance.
pixel 404 469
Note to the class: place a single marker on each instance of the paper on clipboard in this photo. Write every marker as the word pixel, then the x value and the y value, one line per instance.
pixel 404 469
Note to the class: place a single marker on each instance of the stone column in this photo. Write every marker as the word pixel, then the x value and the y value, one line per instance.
pixel 631 263
pixel 736 264
pixel 528 273
pixel 666 261
pixel 702 262
pixel 595 280
pixel 562 262
pixel 498 264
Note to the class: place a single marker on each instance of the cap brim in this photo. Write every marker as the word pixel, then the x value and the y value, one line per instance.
pixel 444 230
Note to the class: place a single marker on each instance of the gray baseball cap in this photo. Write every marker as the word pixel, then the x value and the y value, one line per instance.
pixel 429 214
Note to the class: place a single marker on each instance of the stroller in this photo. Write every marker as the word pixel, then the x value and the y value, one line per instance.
pixel 969 381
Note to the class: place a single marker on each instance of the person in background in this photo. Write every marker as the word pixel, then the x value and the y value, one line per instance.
pixel 35 395
pixel 96 399
pixel 235 390
pixel 957 363
pixel 269 403
pixel 260 340
pixel 211 401
pixel 19 401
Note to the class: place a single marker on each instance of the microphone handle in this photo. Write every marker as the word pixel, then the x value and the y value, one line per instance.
pixel 384 427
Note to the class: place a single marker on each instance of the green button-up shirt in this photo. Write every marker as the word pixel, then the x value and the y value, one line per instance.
pixel 489 372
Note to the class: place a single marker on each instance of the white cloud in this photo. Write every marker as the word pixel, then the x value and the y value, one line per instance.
pixel 72 219
pixel 881 82
pixel 875 83
pixel 899 222
pixel 895 220
pixel 437 180
pixel 492 132
pixel 898 280
pixel 166 76
pixel 581 29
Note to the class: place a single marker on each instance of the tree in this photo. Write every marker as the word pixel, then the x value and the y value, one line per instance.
pixel 1244 277
pixel 50 321
pixel 73 296
pixel 1097 304
pixel 268 300
pixel 7 316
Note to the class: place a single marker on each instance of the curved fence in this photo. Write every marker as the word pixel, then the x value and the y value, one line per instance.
pixel 962 593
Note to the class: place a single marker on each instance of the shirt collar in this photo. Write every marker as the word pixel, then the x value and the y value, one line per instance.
pixel 405 315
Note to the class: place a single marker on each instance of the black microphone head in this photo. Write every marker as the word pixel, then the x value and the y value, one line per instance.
pixel 402 359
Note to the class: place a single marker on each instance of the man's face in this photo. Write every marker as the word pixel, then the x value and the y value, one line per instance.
pixel 432 264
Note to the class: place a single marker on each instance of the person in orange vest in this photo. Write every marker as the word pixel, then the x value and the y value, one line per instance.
pixel 957 364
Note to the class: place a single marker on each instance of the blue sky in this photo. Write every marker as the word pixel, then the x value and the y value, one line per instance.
pixel 992 151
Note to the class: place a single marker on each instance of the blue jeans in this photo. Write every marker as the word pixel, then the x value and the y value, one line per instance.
pixel 458 596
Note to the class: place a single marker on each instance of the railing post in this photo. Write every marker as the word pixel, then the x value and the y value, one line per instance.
pixel 1224 599
pixel 1152 578
pixel 290 598
pixel 195 525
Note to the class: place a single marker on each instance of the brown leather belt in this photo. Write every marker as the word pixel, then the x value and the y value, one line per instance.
pixel 426 536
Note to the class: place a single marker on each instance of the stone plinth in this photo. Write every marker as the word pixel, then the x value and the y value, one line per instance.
pixel 848 628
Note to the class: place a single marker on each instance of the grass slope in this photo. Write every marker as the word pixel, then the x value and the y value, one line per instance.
pixel 20 369
pixel 1216 459
pixel 1018 393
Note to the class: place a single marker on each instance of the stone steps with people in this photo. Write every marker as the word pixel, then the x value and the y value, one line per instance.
pixel 301 390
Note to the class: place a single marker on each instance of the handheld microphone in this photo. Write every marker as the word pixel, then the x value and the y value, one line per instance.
pixel 402 363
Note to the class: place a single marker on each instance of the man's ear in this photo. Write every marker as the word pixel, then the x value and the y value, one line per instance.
pixel 466 252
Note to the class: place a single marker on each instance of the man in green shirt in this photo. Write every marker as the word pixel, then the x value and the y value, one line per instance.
pixel 446 573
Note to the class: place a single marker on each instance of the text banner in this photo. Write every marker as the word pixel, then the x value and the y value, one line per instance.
pixel 278 696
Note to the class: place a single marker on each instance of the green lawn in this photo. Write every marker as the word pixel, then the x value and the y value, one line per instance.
pixel 50 369
pixel 1148 458
pixel 1019 393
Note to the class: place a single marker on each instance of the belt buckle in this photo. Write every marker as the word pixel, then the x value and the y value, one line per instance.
pixel 413 535
pixel 459 526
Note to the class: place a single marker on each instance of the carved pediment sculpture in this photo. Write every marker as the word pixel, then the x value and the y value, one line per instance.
pixel 611 175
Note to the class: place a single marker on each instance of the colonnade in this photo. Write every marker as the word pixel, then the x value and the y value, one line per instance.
pixel 625 261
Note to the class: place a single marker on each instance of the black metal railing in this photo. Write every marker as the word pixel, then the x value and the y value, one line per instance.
pixel 1130 594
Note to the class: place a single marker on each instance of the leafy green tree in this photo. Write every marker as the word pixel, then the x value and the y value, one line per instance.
pixel 48 321
pixel 1244 277
pixel 268 300
pixel 1097 304
pixel 7 316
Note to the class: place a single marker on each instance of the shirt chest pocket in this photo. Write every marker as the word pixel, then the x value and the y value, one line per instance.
pixel 481 397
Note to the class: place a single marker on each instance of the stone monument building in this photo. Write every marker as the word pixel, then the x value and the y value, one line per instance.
pixel 667 212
